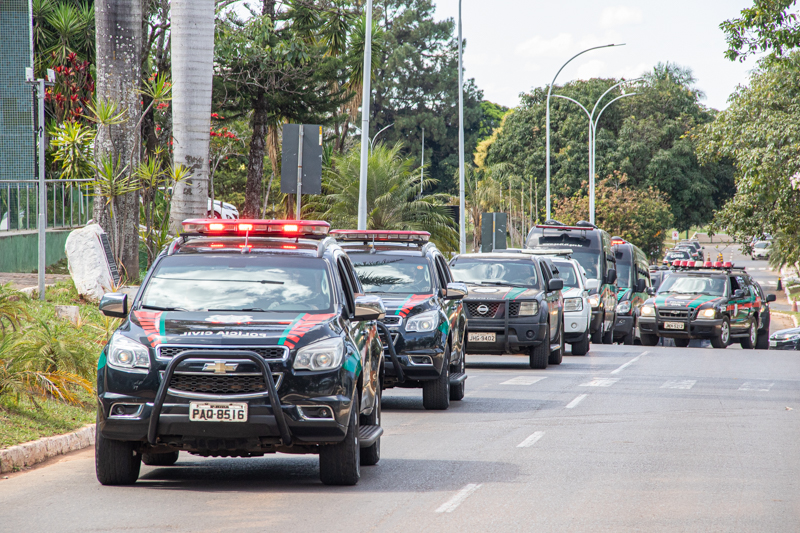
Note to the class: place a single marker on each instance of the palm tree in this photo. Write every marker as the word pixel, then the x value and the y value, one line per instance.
pixel 393 201
pixel 192 70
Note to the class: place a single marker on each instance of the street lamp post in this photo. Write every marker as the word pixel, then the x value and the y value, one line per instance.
pixel 365 141
pixel 591 179
pixel 547 115
pixel 372 142
pixel 597 121
pixel 462 236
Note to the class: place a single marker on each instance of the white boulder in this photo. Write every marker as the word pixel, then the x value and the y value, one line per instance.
pixel 87 262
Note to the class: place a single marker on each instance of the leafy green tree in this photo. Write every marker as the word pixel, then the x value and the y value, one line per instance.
pixel 393 200
pixel 767 27
pixel 640 216
pixel 416 86
pixel 760 132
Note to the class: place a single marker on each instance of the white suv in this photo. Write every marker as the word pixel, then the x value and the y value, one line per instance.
pixel 761 249
pixel 577 310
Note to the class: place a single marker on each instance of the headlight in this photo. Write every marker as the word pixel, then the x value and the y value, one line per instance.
pixel 322 355
pixel 573 304
pixel 423 322
pixel 594 300
pixel 529 308
pixel 624 307
pixel 707 313
pixel 125 353
pixel 784 337
pixel 648 310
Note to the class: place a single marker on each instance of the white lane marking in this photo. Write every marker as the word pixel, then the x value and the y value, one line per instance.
pixel 530 441
pixel 762 268
pixel 450 505
pixel 755 386
pixel 600 382
pixel 623 367
pixel 523 380
pixel 576 401
pixel 679 384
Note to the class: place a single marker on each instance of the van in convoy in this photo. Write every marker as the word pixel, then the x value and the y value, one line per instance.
pixel 633 279
pixel 591 247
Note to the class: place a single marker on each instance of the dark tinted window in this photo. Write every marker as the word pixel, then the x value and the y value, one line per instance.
pixel 474 270
pixel 675 284
pixel 393 273
pixel 235 282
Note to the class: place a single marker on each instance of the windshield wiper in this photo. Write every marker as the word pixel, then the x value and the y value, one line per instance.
pixel 506 283
pixel 157 308
pixel 246 309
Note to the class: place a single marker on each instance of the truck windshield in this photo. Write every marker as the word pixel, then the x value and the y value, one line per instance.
pixel 395 274
pixel 520 273
pixel 239 283
pixel 590 261
pixel 693 285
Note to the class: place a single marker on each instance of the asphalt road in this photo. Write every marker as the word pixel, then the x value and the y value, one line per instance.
pixel 627 438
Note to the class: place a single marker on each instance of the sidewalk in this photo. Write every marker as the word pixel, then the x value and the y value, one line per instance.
pixel 20 281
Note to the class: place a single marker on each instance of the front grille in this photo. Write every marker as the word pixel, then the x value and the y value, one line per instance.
pixel 392 320
pixel 513 309
pixel 492 308
pixel 383 340
pixel 218 384
pixel 673 313
pixel 267 352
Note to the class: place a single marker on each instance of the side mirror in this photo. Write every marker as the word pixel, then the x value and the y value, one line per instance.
pixel 738 293
pixel 651 291
pixel 555 284
pixel 641 285
pixel 611 276
pixel 592 284
pixel 771 298
pixel 114 304
pixel 455 291
pixel 369 307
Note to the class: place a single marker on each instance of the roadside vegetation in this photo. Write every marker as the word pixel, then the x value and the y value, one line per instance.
pixel 47 364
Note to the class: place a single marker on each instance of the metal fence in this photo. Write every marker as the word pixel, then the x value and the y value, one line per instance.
pixel 68 204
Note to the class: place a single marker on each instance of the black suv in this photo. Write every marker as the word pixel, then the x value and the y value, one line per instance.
pixel 424 314
pixel 246 337
pixel 704 301
pixel 514 305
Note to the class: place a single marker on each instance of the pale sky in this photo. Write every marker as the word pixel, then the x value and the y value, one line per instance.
pixel 514 45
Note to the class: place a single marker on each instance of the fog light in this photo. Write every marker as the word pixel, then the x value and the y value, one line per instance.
pixel 315 412
pixel 125 410
pixel 529 334
pixel 574 325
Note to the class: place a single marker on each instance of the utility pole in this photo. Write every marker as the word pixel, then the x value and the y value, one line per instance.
pixel 365 141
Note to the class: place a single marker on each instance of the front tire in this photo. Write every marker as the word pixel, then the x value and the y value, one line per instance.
pixel 724 338
pixel 436 393
pixel 116 462
pixel 370 456
pixel 763 341
pixel 160 459
pixel 556 357
pixel 608 336
pixel 340 463
pixel 457 391
pixel 749 342
pixel 597 336
pixel 541 354
pixel 582 346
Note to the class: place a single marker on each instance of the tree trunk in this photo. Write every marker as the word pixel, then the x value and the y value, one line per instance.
pixel 192 70
pixel 118 64
pixel 255 163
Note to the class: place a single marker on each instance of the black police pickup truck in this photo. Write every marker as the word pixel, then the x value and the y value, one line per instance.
pixel 514 305
pixel 424 314
pixel 708 300
pixel 246 337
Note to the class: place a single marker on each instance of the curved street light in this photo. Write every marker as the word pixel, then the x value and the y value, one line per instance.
pixel 547 120
pixel 372 141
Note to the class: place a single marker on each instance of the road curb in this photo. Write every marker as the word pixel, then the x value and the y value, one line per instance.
pixel 31 453
pixel 794 318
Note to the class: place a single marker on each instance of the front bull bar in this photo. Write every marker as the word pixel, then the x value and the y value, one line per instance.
pixel 163 389
pixel 392 352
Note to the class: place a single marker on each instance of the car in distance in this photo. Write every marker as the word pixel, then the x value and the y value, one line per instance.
pixel 762 249
pixel 424 315
pixel 591 247
pixel 785 339
pixel 514 305
pixel 633 280
pixel 708 300
pixel 676 255
pixel 246 337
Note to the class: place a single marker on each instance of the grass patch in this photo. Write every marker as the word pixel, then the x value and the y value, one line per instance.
pixel 23 422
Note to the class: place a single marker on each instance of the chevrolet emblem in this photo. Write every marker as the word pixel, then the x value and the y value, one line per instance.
pixel 220 367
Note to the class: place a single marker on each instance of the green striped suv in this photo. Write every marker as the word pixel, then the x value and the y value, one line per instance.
pixel 633 280
pixel 718 302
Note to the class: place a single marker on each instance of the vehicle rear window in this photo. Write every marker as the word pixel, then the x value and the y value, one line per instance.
pixel 489 271
pixel 395 274
pixel 680 254
pixel 239 282
pixel 712 286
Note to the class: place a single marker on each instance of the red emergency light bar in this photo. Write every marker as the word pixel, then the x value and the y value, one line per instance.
pixel 716 265
pixel 380 235
pixel 256 227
